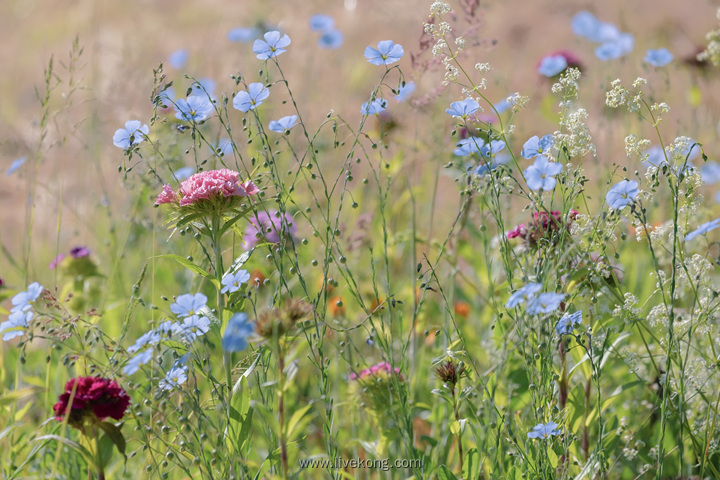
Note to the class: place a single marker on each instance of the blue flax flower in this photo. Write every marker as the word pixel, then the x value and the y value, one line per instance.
pixel 552 65
pixel 242 34
pixel 285 123
pixel 253 98
pixel 544 430
pixel 321 23
pixel 194 327
pixel 710 172
pixel 331 39
pixel 585 24
pixel 175 377
pixel 659 57
pixel 524 293
pixel 236 333
pixel 188 305
pixel 545 303
pixel 15 165
pixel 463 108
pixel 184 173
pixel 135 130
pixel 374 107
pixel 138 361
pixel 150 338
pixel 15 325
pixel 468 146
pixel 536 146
pixel 273 45
pixel 492 164
pixel 703 229
pixel 565 324
pixel 178 59
pixel 405 91
pixel 232 283
pixel 616 47
pixel 541 174
pixel 622 194
pixel 24 301
pixel 387 52
pixel 493 148
pixel 204 87
pixel 194 109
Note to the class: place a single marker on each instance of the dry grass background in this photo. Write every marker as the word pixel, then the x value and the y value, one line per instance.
pixel 123 41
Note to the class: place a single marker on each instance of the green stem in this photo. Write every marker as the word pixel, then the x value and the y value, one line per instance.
pixel 100 468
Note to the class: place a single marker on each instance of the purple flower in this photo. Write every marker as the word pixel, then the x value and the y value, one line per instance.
pixel 269 227
pixel 54 264
pixel 80 252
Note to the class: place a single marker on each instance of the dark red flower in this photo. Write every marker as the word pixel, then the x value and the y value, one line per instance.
pixel 95 399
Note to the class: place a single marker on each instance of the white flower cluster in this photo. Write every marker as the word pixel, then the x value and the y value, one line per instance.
pixel 635 147
pixel 712 51
pixel 576 136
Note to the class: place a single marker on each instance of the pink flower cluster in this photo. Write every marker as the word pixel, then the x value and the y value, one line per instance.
pixel 380 367
pixel 207 185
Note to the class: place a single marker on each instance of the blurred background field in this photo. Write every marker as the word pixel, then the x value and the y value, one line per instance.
pixel 124 41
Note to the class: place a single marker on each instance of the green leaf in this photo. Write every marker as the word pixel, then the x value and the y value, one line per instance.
pixel 70 444
pixel 191 266
pixel 471 466
pixel 115 435
pixel 295 419
pixel 13 397
pixel 446 474
pixel 553 457
pixel 239 262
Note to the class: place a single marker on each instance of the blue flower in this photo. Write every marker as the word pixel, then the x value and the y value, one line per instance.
pixel 616 48
pixel 404 91
pixel 703 229
pixel 15 165
pixel 285 123
pixel 522 294
pixel 242 34
pixel 178 59
pixel 331 39
pixel 541 174
pixel 536 146
pixel 194 108
pixel 204 87
pixel 490 165
pixel 223 147
pixel 387 52
pixel 659 57
pixel 468 146
pixel 321 23
pixel 710 172
pixel 194 327
pixel 138 361
pixel 655 157
pixel 502 106
pixel 545 303
pixel 175 377
pixel 273 45
pixel 236 333
pixel 493 148
pixel 184 173
pixel 374 107
pixel 552 65
pixel 544 430
pixel 188 305
pixel 584 24
pixel 24 301
pixel 232 283
pixel 15 325
pixel 250 100
pixel 622 194
pixel 463 108
pixel 565 324
pixel 135 130
pixel 150 338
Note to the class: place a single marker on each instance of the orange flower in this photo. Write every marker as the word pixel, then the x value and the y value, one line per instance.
pixel 462 309
pixel 257 278
pixel 337 308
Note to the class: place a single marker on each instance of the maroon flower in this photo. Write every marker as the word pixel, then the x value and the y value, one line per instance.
pixel 95 399
pixel 80 252
pixel 543 225
pixel 2 283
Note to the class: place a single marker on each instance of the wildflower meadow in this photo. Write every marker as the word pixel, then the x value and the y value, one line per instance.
pixel 360 240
